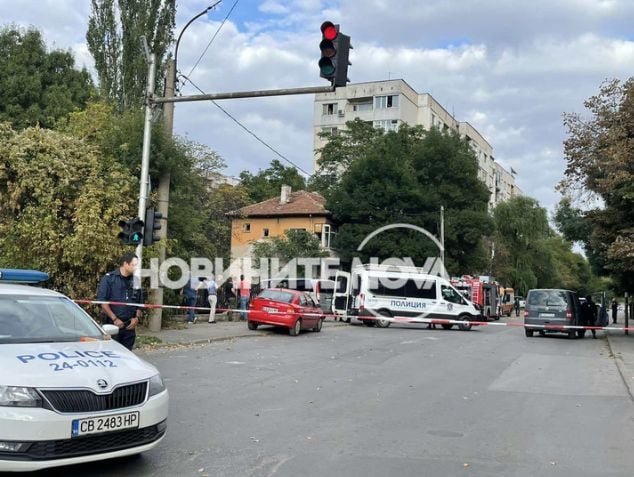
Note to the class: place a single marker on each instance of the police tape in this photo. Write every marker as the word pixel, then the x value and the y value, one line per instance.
pixel 391 319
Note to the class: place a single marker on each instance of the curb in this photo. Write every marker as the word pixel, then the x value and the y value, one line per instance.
pixel 620 366
pixel 201 341
pixel 195 342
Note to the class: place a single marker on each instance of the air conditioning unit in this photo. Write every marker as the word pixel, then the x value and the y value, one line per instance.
pixel 341 113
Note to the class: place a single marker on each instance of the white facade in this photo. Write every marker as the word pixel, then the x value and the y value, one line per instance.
pixel 386 104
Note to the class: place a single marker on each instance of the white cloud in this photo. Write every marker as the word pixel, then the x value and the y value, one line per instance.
pixel 511 68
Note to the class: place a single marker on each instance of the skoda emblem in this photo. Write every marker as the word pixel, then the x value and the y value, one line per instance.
pixel 102 383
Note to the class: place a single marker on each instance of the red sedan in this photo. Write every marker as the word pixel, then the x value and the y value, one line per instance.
pixel 291 309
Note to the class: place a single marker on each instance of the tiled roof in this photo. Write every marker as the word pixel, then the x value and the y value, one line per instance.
pixel 300 203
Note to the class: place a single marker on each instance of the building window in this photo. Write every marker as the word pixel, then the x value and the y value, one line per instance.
pixel 365 106
pixel 246 227
pixel 386 125
pixel 329 109
pixel 330 131
pixel 384 102
pixel 265 232
pixel 296 229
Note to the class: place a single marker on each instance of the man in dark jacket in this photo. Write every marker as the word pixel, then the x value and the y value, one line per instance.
pixel 118 286
pixel 589 314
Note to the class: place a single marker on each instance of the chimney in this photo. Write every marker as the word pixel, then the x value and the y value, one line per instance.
pixel 285 195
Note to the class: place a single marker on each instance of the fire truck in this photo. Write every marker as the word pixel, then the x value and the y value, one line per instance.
pixel 481 291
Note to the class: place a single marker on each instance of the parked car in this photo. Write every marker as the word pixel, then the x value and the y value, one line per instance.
pixel 290 309
pixel 69 394
pixel 547 310
pixel 320 290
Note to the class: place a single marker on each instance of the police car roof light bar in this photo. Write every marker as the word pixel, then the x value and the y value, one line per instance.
pixel 9 275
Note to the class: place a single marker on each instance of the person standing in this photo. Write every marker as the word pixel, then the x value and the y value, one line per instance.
pixel 516 305
pixel 589 314
pixel 118 286
pixel 244 290
pixel 615 310
pixel 212 290
pixel 190 301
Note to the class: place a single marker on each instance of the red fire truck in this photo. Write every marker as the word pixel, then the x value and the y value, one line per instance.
pixel 481 291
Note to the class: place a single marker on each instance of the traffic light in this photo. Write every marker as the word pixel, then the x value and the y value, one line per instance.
pixel 151 225
pixel 335 50
pixel 131 231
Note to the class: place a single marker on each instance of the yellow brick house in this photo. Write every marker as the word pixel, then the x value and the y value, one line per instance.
pixel 271 218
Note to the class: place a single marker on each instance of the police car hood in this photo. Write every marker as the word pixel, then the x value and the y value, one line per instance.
pixel 71 365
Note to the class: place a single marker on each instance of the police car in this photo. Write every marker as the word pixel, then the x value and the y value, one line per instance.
pixel 68 393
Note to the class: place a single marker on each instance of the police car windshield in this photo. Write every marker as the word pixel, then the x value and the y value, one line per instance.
pixel 37 319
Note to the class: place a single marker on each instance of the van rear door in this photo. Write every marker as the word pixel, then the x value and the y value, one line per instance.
pixel 341 295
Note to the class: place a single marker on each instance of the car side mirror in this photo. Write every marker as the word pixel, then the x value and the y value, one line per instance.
pixel 111 330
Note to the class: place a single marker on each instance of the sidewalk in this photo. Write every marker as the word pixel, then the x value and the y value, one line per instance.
pixel 202 332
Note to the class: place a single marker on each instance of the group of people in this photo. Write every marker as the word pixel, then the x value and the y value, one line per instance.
pixel 118 287
pixel 209 294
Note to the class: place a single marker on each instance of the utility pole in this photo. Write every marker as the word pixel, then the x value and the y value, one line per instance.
pixel 156 295
pixel 145 157
pixel 442 234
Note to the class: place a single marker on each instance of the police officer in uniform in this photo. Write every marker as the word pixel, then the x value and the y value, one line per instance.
pixel 118 285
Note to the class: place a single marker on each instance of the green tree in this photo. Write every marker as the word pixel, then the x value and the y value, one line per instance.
pixel 405 177
pixel 267 183
pixel 600 165
pixel 198 226
pixel 341 149
pixel 114 34
pixel 37 87
pixel 59 199
pixel 521 226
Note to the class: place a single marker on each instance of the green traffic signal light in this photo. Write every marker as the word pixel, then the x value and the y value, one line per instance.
pixel 131 231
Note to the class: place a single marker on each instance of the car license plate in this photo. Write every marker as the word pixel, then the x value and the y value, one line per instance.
pixel 99 425
pixel 268 309
pixel 546 315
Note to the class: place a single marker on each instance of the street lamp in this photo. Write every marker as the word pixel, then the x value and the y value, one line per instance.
pixel 185 28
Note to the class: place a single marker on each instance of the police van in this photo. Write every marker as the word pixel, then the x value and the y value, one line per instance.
pixel 378 295
pixel 69 394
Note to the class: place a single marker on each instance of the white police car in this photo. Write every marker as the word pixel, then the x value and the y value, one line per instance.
pixel 68 393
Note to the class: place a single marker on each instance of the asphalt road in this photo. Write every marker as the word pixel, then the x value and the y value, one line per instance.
pixel 358 401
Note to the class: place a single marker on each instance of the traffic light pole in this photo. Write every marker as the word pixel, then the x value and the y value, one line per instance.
pixel 145 158
pixel 245 94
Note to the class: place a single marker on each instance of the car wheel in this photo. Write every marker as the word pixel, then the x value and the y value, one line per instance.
pixel 297 327
pixel 252 325
pixel 317 328
pixel 384 323
pixel 447 326
pixel 529 333
pixel 572 334
pixel 464 326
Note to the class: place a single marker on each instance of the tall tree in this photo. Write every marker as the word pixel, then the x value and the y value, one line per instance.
pixel 59 199
pixel 405 177
pixel 521 226
pixel 37 87
pixel 115 28
pixel 267 183
pixel 600 169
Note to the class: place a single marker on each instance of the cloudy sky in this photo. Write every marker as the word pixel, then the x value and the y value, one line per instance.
pixel 509 67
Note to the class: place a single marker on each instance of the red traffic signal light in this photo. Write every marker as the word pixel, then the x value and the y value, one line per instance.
pixel 335 48
pixel 329 31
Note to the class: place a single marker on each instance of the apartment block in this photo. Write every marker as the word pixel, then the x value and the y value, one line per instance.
pixel 387 104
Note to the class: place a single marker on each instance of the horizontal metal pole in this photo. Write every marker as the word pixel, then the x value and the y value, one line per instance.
pixel 245 94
